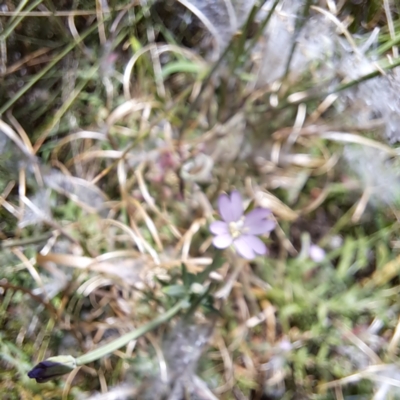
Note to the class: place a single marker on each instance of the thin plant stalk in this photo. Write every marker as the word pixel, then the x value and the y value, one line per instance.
pixel 240 48
pixel 261 28
pixel 388 45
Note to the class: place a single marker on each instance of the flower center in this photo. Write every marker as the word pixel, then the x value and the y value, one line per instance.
pixel 236 228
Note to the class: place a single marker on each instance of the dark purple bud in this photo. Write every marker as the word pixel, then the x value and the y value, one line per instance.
pixel 52 368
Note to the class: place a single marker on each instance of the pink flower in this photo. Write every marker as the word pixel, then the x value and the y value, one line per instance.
pixel 239 229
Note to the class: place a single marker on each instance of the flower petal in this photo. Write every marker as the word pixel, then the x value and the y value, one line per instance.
pixel 224 207
pixel 256 244
pixel 222 241
pixel 256 222
pixel 243 248
pixel 236 205
pixel 258 213
pixel 219 227
pixel 259 228
pixel 248 246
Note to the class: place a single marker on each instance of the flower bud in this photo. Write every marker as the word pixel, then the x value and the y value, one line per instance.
pixel 51 368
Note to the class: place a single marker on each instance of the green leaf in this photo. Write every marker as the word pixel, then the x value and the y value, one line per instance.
pixel 181 66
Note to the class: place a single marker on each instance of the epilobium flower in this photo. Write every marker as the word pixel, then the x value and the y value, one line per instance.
pixel 239 229
pixel 51 368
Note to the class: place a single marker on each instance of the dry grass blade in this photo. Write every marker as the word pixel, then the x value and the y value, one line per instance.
pixel 12 135
pixel 271 202
pixel 357 139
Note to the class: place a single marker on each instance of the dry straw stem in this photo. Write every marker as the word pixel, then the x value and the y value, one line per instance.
pixel 8 206
pixel 23 135
pixel 75 34
pixel 346 137
pixel 81 135
pixel 98 154
pixel 267 200
pixel 361 205
pixel 149 222
pixel 23 143
pixel 25 138
pixel 129 107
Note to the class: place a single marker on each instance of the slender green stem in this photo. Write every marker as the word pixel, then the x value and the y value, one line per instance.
pixel 239 51
pixel 388 45
pixel 125 339
pixel 261 28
